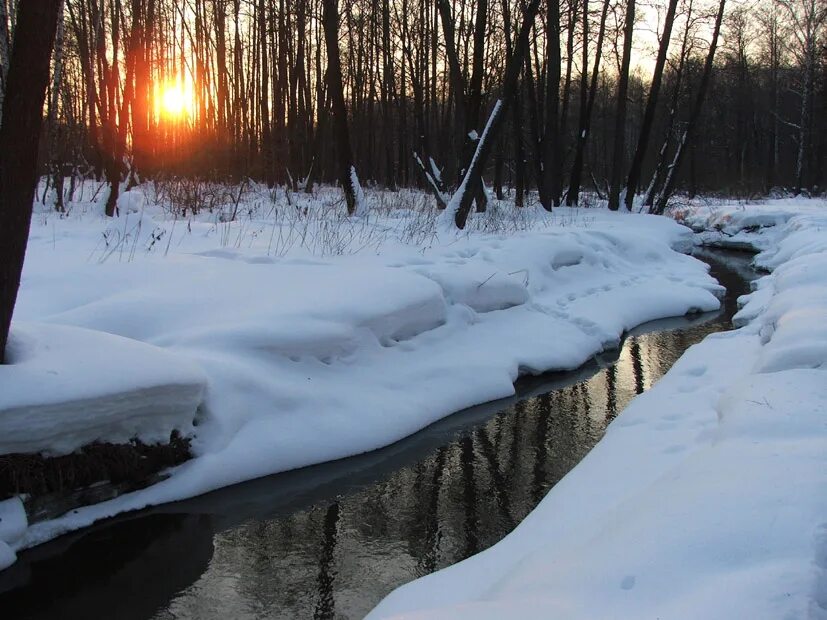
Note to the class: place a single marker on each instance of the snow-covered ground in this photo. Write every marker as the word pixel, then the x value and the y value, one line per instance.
pixel 321 336
pixel 65 387
pixel 707 498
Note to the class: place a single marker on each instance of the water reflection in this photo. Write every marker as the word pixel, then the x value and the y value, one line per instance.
pixel 330 541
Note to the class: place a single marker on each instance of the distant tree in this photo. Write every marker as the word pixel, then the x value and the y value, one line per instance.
pixel 619 149
pixel 23 103
pixel 636 167
pixel 460 206
pixel 806 21
pixel 694 116
pixel 347 170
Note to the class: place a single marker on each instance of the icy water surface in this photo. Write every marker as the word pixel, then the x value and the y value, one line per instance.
pixel 330 541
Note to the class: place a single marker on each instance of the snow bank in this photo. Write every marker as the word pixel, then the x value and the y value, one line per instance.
pixel 706 497
pixel 13 524
pixel 65 387
pixel 310 359
pixel 752 227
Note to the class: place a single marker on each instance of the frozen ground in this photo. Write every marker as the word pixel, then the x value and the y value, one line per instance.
pixel 706 498
pixel 321 336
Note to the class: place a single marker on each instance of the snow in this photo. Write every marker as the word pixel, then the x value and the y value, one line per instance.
pixel 13 524
pixel 361 202
pixel 705 499
pixel 65 387
pixel 448 215
pixel 352 334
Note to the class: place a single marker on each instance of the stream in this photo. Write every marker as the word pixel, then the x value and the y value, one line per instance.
pixel 330 541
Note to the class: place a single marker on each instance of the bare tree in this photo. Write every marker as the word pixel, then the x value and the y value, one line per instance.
pixel 460 205
pixel 806 21
pixel 651 103
pixel 622 104
pixel 24 96
pixel 347 170
pixel 692 124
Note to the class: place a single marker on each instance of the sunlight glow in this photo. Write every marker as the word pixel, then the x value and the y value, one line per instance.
pixel 175 100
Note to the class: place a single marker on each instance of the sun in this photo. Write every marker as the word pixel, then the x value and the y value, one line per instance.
pixel 173 100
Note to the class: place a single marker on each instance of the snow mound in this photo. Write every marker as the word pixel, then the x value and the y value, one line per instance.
pixel 477 287
pixel 65 387
pixel 132 201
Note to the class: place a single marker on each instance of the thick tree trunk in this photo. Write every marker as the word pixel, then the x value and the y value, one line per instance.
pixel 346 169
pixel 27 79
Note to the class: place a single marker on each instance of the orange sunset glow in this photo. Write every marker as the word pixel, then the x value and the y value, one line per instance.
pixel 175 99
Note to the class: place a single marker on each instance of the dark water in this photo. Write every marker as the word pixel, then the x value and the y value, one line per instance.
pixel 330 541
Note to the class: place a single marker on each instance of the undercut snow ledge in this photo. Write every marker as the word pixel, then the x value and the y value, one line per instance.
pixel 65 387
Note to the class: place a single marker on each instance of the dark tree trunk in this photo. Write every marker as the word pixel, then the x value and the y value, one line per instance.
pixel 551 136
pixel 692 124
pixel 660 167
pixel 649 114
pixel 586 111
pixel 23 102
pixel 622 105
pixel 465 194
pixel 346 169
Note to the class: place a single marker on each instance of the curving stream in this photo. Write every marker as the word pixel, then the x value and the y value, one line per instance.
pixel 330 541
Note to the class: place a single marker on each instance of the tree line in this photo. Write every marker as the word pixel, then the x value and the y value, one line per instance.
pixel 463 97
pixel 298 92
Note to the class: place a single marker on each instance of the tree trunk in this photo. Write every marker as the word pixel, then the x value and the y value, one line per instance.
pixel 622 104
pixel 26 91
pixel 551 136
pixel 460 205
pixel 649 114
pixel 584 124
pixel 691 126
pixel 346 171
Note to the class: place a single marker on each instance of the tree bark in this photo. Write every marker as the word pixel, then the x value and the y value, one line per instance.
pixel 25 93
pixel 346 171
pixel 691 126
pixel 649 113
pixel 622 104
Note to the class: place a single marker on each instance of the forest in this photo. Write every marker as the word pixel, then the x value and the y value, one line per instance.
pixel 619 97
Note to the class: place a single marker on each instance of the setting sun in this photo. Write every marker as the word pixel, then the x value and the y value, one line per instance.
pixel 175 100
